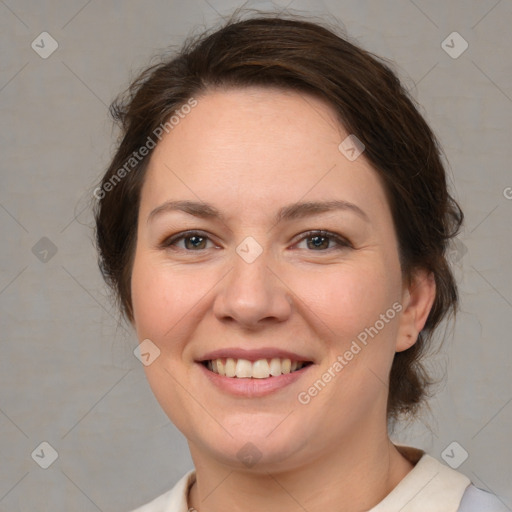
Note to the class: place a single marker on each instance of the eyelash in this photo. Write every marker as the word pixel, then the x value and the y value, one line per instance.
pixel 343 243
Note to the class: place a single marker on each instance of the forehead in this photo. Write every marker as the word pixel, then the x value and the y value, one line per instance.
pixel 256 146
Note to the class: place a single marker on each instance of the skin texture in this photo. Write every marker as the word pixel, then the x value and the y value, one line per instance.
pixel 248 152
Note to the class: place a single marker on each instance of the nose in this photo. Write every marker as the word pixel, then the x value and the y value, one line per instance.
pixel 252 294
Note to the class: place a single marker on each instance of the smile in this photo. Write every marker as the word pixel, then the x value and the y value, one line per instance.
pixel 259 369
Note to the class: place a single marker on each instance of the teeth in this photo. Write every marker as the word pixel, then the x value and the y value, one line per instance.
pixel 243 368
pixel 230 367
pixel 260 369
pixel 275 367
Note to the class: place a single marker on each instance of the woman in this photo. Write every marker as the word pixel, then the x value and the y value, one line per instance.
pixel 275 226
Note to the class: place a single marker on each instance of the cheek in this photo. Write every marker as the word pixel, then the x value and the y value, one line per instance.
pixel 352 307
pixel 351 296
pixel 358 323
pixel 164 303
pixel 168 301
pixel 160 298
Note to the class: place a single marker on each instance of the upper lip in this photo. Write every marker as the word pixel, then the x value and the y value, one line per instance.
pixel 253 355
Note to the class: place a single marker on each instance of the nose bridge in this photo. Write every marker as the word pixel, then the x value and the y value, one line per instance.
pixel 251 291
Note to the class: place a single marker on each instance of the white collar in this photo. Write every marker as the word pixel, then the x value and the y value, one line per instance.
pixel 429 487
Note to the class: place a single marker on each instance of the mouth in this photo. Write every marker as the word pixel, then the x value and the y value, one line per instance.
pixel 264 368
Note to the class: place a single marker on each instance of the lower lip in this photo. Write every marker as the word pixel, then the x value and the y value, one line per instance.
pixel 250 387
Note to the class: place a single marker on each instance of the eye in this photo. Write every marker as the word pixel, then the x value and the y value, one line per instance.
pixel 320 240
pixel 194 241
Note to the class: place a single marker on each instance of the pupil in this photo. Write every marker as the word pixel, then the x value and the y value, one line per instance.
pixel 317 240
pixel 198 240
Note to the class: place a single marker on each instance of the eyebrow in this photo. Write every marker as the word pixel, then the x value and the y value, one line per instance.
pixel 288 212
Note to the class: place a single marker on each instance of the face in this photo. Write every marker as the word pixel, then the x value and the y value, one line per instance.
pixel 249 272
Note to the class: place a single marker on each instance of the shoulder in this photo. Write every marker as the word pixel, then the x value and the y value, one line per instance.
pixel 478 500
pixel 174 500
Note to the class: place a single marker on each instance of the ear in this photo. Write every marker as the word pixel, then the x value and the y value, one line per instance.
pixel 418 296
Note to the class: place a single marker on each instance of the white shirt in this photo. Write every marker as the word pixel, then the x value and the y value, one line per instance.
pixel 429 487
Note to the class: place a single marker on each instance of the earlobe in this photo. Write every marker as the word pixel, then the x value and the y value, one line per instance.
pixel 417 300
pixel 406 340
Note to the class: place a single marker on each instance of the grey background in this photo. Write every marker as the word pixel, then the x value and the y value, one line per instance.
pixel 68 375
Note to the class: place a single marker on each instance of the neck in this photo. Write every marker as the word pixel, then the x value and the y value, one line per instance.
pixel 355 476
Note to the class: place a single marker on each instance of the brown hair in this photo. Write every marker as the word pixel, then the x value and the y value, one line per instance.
pixel 293 53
